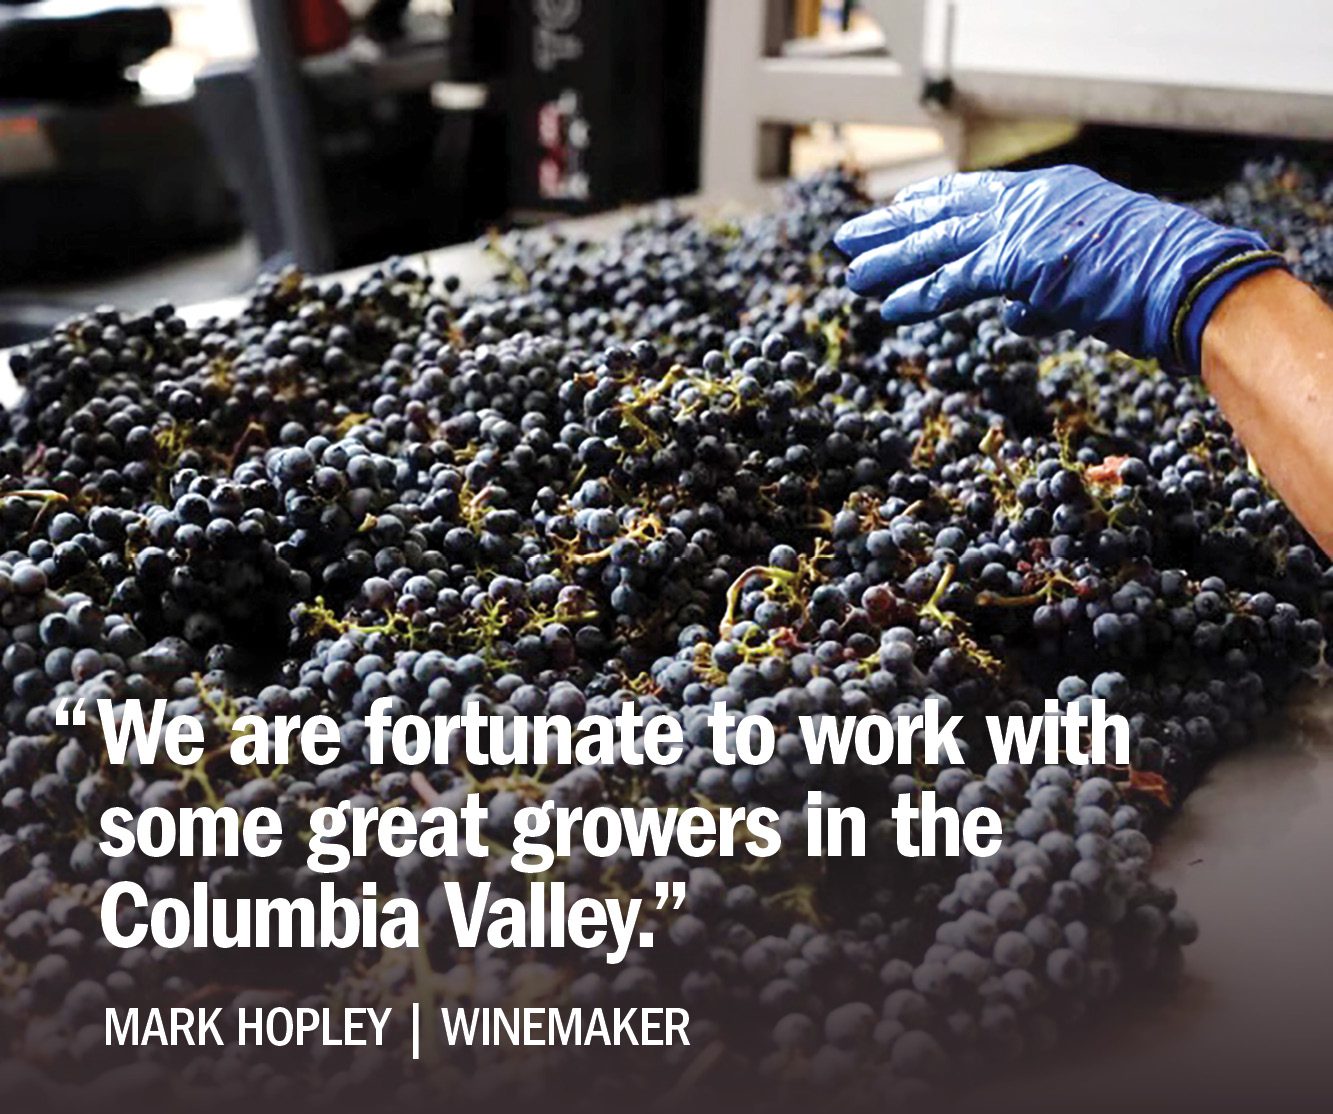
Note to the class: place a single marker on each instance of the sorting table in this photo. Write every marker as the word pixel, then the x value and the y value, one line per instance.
pixel 1250 854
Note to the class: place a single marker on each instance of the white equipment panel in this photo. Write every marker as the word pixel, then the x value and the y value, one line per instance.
pixel 1215 65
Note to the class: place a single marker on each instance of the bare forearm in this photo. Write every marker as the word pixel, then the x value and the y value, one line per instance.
pixel 1268 360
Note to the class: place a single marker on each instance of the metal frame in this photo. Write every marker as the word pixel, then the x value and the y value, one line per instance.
pixel 750 92
pixel 1291 115
pixel 289 139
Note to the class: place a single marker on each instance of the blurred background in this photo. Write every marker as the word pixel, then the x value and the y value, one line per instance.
pixel 172 150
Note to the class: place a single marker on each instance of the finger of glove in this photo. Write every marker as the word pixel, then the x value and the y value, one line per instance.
pixel 894 222
pixel 1021 318
pixel 987 181
pixel 884 269
pixel 952 286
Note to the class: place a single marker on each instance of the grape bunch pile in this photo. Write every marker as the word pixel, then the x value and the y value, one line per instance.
pixel 679 467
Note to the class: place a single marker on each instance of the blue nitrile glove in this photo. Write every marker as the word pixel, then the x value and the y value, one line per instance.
pixel 1070 249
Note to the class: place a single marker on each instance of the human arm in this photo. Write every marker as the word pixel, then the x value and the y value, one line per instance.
pixel 1268 360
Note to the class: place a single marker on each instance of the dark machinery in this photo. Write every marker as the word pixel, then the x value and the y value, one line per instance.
pixel 345 139
pixel 604 102
pixel 520 108
pixel 93 174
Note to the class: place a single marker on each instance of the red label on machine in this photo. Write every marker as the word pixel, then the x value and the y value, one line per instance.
pixel 564 135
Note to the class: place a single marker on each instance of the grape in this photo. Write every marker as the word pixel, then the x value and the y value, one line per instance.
pixel 680 466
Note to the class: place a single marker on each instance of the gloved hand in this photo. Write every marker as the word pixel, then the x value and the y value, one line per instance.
pixel 1072 251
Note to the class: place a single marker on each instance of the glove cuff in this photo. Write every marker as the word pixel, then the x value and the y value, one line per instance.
pixel 1204 295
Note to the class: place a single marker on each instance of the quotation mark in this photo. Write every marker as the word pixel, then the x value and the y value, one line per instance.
pixel 673 892
pixel 70 717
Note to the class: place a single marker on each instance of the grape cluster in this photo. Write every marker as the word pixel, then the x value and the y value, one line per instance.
pixel 680 467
